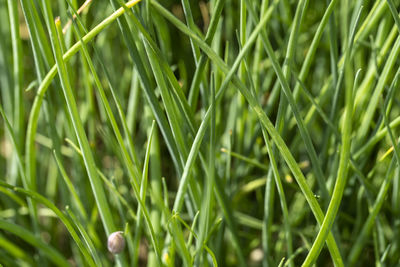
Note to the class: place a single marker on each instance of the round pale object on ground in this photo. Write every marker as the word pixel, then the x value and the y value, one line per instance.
pixel 116 242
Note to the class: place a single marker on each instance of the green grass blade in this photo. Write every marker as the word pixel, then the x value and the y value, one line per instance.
pixel 344 160
pixel 264 120
pixel 56 257
pixel 95 181
pixel 41 199
pixel 35 111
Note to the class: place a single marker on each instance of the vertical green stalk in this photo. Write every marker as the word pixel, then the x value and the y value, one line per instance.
pixel 282 198
pixel 241 102
pixel 314 45
pixel 18 136
pixel 38 32
pixel 195 85
pixel 18 118
pixel 148 85
pixel 267 219
pixel 283 77
pixel 190 21
pixel 143 189
pixel 35 111
pixel 95 181
pixel 207 201
pixel 260 113
pixel 362 237
pixel 129 164
pixel 344 158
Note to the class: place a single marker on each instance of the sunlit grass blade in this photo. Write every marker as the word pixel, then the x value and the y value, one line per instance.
pixel 98 191
pixel 344 163
pixel 206 133
pixel 265 122
pixel 148 87
pixel 143 189
pixel 44 85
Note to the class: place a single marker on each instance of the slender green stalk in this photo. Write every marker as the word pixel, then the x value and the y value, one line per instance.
pixel 190 21
pixel 22 171
pixel 56 257
pixel 281 193
pixel 130 37
pixel 18 118
pixel 133 169
pixel 344 160
pixel 195 85
pixel 362 238
pixel 283 76
pixel 207 201
pixel 68 224
pixel 277 132
pixel 262 117
pixel 97 187
pixel 35 111
pixel 143 189
pixel 71 187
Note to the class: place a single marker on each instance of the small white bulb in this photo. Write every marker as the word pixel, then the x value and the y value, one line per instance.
pixel 116 242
